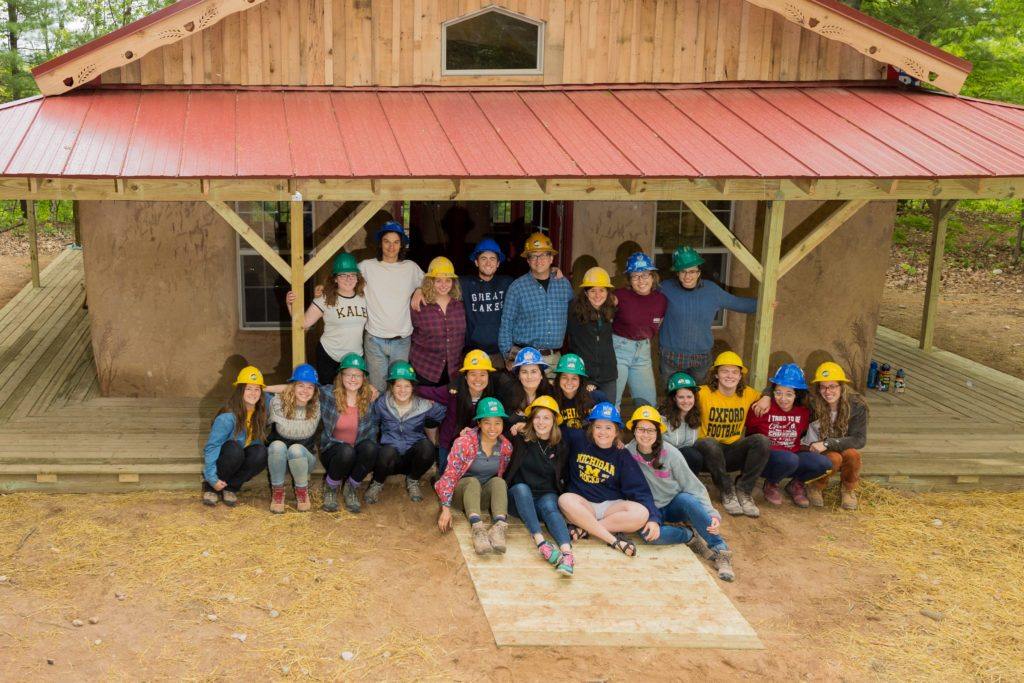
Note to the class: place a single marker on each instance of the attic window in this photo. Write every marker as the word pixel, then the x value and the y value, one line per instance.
pixel 492 41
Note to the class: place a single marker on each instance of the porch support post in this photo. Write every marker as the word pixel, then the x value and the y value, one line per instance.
pixel 766 292
pixel 33 241
pixel 840 213
pixel 77 217
pixel 725 236
pixel 940 214
pixel 342 234
pixel 296 247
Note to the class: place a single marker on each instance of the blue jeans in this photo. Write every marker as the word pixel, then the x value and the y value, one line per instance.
pixel 529 509
pixel 633 361
pixel 802 466
pixel 295 458
pixel 380 353
pixel 687 508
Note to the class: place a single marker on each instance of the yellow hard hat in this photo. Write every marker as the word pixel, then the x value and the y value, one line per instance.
pixel 596 277
pixel 545 402
pixel 250 374
pixel 538 241
pixel 476 360
pixel 441 267
pixel 829 372
pixel 648 413
pixel 730 358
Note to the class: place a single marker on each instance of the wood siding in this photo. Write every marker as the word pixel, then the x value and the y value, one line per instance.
pixel 398 42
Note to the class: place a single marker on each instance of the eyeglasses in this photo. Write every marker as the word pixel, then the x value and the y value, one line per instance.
pixel 645 430
pixel 691 271
pixel 539 255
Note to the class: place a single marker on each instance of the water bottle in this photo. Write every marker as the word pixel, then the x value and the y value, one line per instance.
pixel 873 374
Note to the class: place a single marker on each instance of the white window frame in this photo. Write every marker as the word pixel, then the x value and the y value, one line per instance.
pixel 539 71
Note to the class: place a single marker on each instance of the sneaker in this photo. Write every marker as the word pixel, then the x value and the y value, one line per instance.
pixel 731 503
pixel 849 500
pixel 723 564
pixel 330 498
pixel 277 499
pixel 550 553
pixel 798 493
pixel 747 505
pixel 496 535
pixel 481 542
pixel 700 548
pixel 814 496
pixel 772 494
pixel 413 487
pixel 351 495
pixel 373 492
pixel 302 503
pixel 210 498
pixel 230 498
pixel 566 564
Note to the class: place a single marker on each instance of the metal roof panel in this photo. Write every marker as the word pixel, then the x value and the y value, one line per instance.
pixel 367 136
pixel 479 146
pixel 47 144
pixel 208 140
pixel 317 149
pixel 427 150
pixel 14 123
pixel 534 147
pixel 261 135
pixel 102 143
pixel 156 145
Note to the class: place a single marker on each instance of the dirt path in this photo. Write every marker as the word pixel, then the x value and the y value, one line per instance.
pixel 15 268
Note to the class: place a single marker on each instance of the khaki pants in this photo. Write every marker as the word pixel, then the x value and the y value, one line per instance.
pixel 470 496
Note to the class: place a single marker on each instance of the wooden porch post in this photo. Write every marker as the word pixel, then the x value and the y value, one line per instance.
pixel 298 280
pixel 76 216
pixel 766 292
pixel 940 212
pixel 33 241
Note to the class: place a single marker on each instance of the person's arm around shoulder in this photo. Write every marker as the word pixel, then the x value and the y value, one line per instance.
pixel 221 431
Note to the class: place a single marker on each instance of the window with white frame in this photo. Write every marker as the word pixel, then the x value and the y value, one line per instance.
pixel 492 41
pixel 261 289
pixel 675 225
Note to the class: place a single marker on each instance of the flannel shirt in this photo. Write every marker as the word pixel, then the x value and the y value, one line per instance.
pixel 437 338
pixel 464 451
pixel 534 316
pixel 366 431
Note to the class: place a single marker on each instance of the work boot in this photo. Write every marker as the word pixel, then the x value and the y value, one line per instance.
pixel 413 487
pixel 351 495
pixel 373 492
pixel 700 548
pixel 277 499
pixel 798 493
pixel 210 498
pixel 747 505
pixel 230 498
pixel 481 542
pixel 731 503
pixel 814 496
pixel 723 564
pixel 330 498
pixel 772 494
pixel 496 536
pixel 849 500
pixel 302 499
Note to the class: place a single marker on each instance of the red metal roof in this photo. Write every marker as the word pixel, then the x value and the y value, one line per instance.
pixel 735 131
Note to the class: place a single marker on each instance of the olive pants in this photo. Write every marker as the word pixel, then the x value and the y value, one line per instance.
pixel 470 496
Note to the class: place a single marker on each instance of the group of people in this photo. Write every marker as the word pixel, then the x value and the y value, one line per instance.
pixel 466 374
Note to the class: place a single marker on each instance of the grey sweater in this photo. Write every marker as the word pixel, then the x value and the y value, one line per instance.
pixel 682 436
pixel 673 478
pixel 856 435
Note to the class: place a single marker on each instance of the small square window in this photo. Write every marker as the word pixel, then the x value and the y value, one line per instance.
pixel 492 41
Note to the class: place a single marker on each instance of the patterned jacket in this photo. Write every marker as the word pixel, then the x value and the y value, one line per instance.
pixel 463 453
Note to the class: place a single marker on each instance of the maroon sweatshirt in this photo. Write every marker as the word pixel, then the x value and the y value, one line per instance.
pixel 782 429
pixel 638 317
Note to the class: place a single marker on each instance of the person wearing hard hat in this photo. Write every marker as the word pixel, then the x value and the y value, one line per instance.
pixel 390 282
pixel 536 306
pixel 682 418
pixel 785 423
pixel 342 307
pixel 839 430
pixel 724 403
pixel 528 369
pixel 472 479
pixel 235 451
pixel 575 395
pixel 483 295
pixel 638 316
pixel 439 326
pixel 685 339
pixel 678 493
pixel 294 416
pixel 589 330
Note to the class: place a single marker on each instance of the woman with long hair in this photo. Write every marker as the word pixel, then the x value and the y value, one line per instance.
pixel 294 417
pixel 528 369
pixel 234 451
pixel 575 396
pixel 640 311
pixel 589 330
pixel 438 326
pixel 682 418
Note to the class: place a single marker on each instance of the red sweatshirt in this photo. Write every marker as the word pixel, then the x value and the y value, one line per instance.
pixel 638 317
pixel 782 429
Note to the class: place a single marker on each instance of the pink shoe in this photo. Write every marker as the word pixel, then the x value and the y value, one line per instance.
pixel 772 494
pixel 798 493
pixel 550 553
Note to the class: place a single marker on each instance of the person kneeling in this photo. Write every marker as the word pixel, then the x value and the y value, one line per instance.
pixel 473 478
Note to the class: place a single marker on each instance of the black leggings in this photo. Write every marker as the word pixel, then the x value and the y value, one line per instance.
pixel 237 465
pixel 326 367
pixel 343 461
pixel 413 463
pixel 749 455
pixel 693 457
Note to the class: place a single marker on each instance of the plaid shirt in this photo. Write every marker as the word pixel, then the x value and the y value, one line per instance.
pixel 437 338
pixel 366 431
pixel 534 316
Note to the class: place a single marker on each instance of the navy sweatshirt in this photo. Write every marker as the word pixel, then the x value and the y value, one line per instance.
pixel 483 302
pixel 601 474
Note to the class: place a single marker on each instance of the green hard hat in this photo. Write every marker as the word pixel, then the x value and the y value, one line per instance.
pixel 400 369
pixel 680 380
pixel 345 263
pixel 571 364
pixel 353 360
pixel 685 257
pixel 489 407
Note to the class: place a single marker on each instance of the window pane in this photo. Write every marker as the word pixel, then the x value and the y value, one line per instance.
pixel 492 41
pixel 666 230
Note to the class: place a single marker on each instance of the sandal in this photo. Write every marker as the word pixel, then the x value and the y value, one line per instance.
pixel 577 534
pixel 623 545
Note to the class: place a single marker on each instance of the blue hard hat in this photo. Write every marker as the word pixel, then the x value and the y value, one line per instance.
pixel 487 244
pixel 605 411
pixel 529 356
pixel 304 373
pixel 790 375
pixel 395 227
pixel 639 263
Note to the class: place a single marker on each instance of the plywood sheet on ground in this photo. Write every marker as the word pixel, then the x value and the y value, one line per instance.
pixel 663 597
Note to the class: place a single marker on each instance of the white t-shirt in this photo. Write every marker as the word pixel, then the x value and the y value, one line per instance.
pixel 389 286
pixel 343 325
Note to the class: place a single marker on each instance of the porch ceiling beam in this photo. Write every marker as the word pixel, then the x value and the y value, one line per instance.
pixel 725 236
pixel 355 222
pixel 828 225
pixel 253 239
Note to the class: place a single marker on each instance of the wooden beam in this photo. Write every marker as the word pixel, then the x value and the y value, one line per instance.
pixel 342 234
pixel 820 233
pixel 766 292
pixel 296 247
pixel 940 215
pixel 630 185
pixel 725 236
pixel 251 237
pixel 33 242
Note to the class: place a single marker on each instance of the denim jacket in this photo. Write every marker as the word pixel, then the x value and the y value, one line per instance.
pixel 222 431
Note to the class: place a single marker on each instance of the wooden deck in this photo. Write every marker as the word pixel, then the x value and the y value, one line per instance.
pixel 960 424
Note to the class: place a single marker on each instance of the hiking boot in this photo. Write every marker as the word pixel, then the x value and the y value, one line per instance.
pixel 731 503
pixel 700 548
pixel 351 495
pixel 413 487
pixel 302 503
pixel 496 536
pixel 549 553
pixel 772 494
pixel 814 496
pixel 798 493
pixel 566 564
pixel 230 498
pixel 849 500
pixel 481 542
pixel 210 498
pixel 747 505
pixel 330 498
pixel 373 492
pixel 723 564
pixel 277 499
